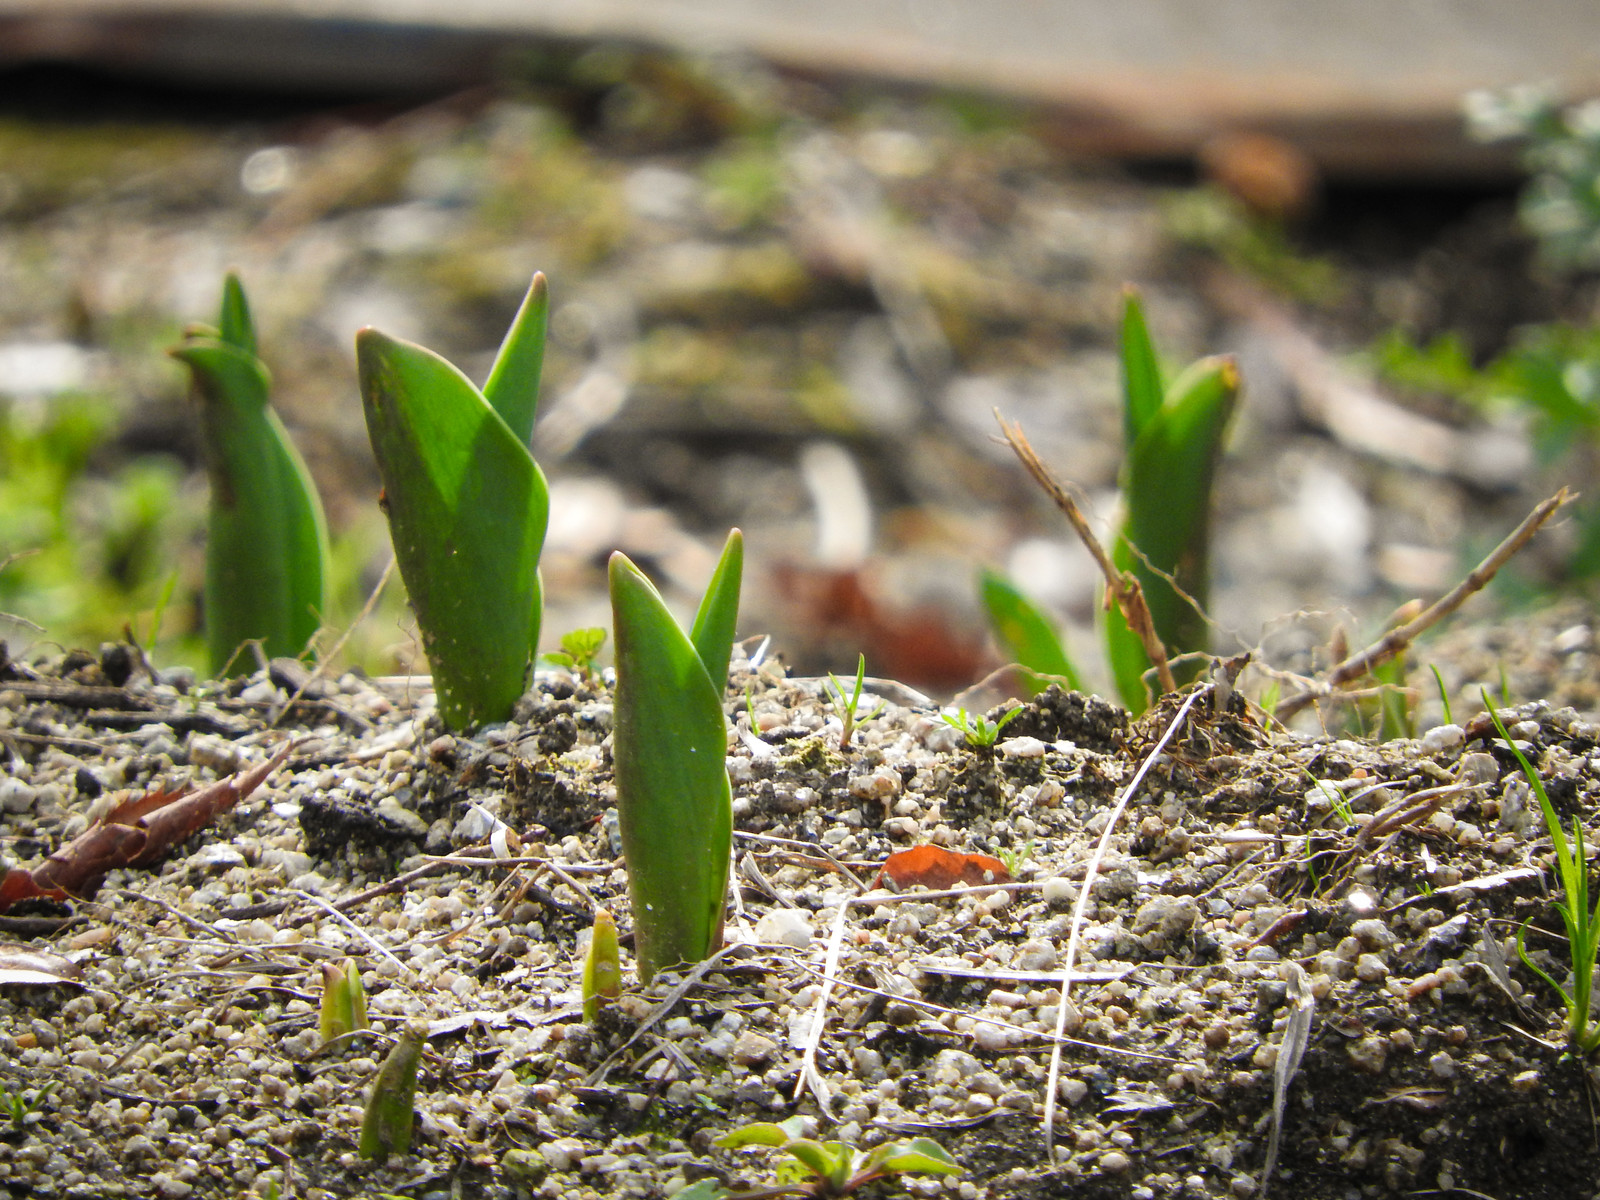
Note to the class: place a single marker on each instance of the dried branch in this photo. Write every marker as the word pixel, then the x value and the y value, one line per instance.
pixel 1397 640
pixel 1123 586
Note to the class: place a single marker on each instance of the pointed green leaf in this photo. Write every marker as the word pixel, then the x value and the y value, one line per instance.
pixel 235 326
pixel 391 1104
pixel 266 544
pixel 512 388
pixel 1025 634
pixel 714 623
pixel 467 509
pixel 673 795
pixel 1167 485
pixel 1142 390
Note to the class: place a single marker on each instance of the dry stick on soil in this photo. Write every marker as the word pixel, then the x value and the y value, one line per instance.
pixel 809 1075
pixel 1396 640
pixel 1082 905
pixel 1120 585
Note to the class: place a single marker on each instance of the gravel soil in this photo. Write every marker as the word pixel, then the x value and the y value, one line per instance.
pixel 1251 874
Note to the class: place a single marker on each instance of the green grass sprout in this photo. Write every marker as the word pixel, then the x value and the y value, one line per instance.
pixel 1444 694
pixel 670 744
pixel 391 1104
pixel 825 1169
pixel 1174 434
pixel 19 1106
pixel 266 541
pixel 849 706
pixel 976 728
pixel 602 968
pixel 467 506
pixel 1582 923
pixel 1025 634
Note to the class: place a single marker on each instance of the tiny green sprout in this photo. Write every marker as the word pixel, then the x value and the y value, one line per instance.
pixel 1581 923
pixel 391 1104
pixel 602 967
pixel 825 1169
pixel 19 1106
pixel 578 651
pixel 848 707
pixel 1444 694
pixel 976 728
pixel 344 1001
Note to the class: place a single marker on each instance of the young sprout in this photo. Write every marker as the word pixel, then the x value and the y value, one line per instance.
pixel 825 1169
pixel 848 706
pixel 266 541
pixel 602 969
pixel 975 727
pixel 670 742
pixel 391 1104
pixel 1172 433
pixel 344 1001
pixel 467 506
pixel 1581 922
pixel 578 651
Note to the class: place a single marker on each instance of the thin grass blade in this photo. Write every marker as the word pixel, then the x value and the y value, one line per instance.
pixel 512 388
pixel 1025 634
pixel 714 623
pixel 266 542
pixel 467 509
pixel 673 795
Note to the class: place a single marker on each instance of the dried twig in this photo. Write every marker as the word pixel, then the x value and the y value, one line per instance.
pixel 809 1075
pixel 1396 640
pixel 1082 905
pixel 1122 586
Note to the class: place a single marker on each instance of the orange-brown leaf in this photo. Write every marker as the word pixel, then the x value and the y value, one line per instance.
pixel 939 869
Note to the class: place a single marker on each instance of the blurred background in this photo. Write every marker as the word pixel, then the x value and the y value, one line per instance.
pixel 799 256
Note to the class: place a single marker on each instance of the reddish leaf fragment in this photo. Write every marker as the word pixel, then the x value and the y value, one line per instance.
pixel 939 869
pixel 25 965
pixel 134 834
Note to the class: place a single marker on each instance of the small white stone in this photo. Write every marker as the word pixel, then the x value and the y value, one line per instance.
pixel 1442 737
pixel 785 927
pixel 1022 747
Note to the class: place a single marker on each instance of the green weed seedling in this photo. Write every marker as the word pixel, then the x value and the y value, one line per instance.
pixel 670 742
pixel 467 506
pixel 825 1169
pixel 976 728
pixel 266 539
pixel 849 706
pixel 1580 921
pixel 19 1106
pixel 391 1104
pixel 578 651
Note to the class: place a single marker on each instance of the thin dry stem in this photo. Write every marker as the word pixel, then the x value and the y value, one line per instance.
pixel 1081 907
pixel 1397 640
pixel 1123 586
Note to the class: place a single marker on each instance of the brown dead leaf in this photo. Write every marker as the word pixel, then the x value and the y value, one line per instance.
pixel 134 834
pixel 939 869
